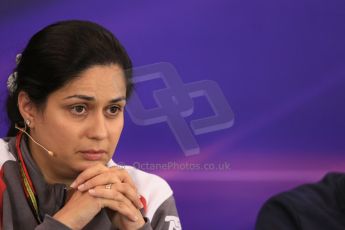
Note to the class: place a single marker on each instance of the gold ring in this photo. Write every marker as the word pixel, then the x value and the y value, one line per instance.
pixel 108 186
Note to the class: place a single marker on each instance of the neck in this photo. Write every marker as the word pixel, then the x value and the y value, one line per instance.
pixel 46 163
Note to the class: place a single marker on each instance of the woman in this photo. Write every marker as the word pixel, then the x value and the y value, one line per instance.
pixel 66 110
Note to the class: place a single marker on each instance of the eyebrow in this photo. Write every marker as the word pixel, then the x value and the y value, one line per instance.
pixel 89 98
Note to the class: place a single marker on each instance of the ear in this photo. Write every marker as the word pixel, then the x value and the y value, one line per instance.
pixel 26 108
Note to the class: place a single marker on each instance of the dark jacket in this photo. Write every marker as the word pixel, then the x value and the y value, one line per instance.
pixel 307 207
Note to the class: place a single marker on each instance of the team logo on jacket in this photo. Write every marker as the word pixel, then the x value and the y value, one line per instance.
pixel 174 222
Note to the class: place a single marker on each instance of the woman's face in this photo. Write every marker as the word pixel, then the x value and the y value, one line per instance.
pixel 81 122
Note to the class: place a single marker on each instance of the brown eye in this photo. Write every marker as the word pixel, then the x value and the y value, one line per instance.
pixel 113 110
pixel 78 109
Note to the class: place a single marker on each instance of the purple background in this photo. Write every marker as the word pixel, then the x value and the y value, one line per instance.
pixel 280 64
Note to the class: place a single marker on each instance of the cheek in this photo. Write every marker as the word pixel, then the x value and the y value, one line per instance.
pixel 65 135
pixel 64 126
pixel 115 130
pixel 61 133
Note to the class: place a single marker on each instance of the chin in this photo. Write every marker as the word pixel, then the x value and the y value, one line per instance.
pixel 87 164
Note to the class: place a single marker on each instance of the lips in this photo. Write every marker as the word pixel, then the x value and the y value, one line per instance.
pixel 93 155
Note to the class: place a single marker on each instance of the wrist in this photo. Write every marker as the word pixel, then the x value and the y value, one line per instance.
pixel 64 219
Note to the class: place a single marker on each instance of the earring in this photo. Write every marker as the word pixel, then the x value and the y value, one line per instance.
pixel 28 122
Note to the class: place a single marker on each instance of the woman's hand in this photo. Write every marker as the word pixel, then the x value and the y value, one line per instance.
pixel 79 210
pixel 82 207
pixel 117 191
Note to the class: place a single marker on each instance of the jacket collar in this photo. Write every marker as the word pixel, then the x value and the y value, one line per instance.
pixel 51 197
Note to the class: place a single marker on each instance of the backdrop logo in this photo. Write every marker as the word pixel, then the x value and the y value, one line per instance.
pixel 175 103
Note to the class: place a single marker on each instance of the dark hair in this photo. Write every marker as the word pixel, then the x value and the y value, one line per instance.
pixel 56 55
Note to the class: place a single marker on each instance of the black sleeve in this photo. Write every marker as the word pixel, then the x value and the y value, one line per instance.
pixel 277 215
pixel 50 223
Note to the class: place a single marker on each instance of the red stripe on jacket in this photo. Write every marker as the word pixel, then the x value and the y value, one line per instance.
pixel 2 190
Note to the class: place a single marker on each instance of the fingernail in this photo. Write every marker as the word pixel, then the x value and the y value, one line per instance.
pixel 139 196
pixel 80 187
pixel 135 218
pixel 92 191
pixel 141 205
pixel 73 184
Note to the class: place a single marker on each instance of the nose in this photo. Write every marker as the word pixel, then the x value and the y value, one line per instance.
pixel 97 127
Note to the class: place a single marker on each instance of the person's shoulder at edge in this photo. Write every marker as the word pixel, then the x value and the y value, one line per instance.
pixel 288 209
pixel 5 154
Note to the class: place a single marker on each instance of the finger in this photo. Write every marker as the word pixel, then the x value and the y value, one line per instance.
pixel 130 193
pixel 127 210
pixel 88 174
pixel 107 177
pixel 124 176
pixel 109 194
pixel 119 192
